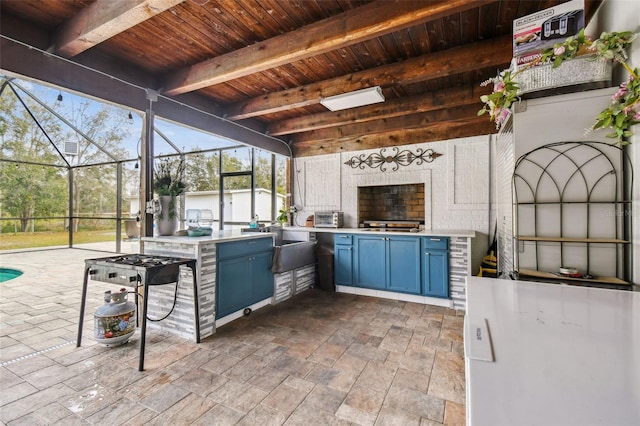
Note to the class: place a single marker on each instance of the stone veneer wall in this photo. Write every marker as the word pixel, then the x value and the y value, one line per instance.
pixel 459 269
pixel 181 321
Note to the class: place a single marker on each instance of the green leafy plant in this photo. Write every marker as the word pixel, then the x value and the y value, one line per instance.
pixel 283 217
pixel 568 49
pixel 168 177
pixel 623 112
pixel 613 46
pixel 505 93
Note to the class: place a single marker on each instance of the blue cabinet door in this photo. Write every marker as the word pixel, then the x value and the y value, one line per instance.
pixel 343 264
pixel 436 273
pixel 370 262
pixel 403 267
pixel 261 276
pixel 234 286
pixel 244 274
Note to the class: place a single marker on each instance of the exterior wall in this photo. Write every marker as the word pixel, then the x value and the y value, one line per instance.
pixel 562 118
pixel 622 15
pixel 456 186
pixel 504 165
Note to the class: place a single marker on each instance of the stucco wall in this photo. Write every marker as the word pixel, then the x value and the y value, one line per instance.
pixel 624 15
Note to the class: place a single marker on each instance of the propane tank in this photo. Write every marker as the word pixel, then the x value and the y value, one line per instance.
pixel 115 321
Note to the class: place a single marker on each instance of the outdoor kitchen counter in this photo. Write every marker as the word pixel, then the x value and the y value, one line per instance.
pixel 204 250
pixel 462 233
pixel 216 237
pixel 460 260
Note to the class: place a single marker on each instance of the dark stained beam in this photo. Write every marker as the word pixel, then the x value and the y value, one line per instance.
pixel 413 121
pixel 435 132
pixel 348 28
pixel 102 20
pixel 495 52
pixel 441 99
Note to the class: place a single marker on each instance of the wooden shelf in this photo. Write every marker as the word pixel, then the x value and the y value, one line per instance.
pixel 571 240
pixel 535 203
pixel 550 275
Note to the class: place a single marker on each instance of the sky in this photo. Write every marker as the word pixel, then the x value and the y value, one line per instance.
pixel 185 138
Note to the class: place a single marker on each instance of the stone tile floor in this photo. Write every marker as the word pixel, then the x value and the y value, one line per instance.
pixel 318 358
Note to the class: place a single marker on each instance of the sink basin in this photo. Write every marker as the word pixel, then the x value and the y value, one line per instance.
pixel 292 254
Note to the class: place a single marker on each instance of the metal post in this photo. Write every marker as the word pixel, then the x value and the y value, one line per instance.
pixel 274 189
pixel 220 193
pixel 118 206
pixel 252 152
pixel 146 168
pixel 70 172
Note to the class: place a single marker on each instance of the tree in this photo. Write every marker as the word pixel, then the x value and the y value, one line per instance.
pixel 202 172
pixel 95 187
pixel 29 190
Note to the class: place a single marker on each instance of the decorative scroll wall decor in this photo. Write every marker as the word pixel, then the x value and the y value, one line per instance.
pixel 399 158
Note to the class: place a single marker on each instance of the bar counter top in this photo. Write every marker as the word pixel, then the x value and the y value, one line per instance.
pixel 216 237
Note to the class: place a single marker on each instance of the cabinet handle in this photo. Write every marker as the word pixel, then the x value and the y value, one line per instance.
pixel 427 253
pixel 344 236
pixel 252 242
pixel 435 239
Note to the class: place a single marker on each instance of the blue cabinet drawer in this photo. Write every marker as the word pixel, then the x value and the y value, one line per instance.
pixel 343 239
pixel 243 248
pixel 435 243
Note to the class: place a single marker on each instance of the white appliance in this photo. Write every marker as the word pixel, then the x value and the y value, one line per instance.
pixel 330 219
pixel 551 354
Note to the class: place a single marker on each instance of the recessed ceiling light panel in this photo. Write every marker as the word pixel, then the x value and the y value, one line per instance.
pixel 368 96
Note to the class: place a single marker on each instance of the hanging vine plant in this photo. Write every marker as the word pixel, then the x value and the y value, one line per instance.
pixel 619 116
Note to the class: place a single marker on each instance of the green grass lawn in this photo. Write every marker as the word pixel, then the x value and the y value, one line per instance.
pixel 23 240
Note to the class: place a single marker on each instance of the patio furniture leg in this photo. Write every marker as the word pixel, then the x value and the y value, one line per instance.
pixel 82 306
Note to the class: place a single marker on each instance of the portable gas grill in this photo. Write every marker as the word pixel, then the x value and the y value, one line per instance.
pixel 138 270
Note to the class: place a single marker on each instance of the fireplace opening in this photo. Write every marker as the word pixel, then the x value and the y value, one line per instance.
pixel 391 202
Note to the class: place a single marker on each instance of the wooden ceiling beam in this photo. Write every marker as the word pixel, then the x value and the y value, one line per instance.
pixel 441 131
pixel 385 125
pixel 354 26
pixel 496 52
pixel 102 20
pixel 441 99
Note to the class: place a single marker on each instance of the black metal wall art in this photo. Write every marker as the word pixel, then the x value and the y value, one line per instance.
pixel 399 158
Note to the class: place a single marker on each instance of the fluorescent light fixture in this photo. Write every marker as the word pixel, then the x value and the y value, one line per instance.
pixel 368 96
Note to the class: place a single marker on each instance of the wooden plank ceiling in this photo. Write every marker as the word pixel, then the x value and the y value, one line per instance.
pixel 265 64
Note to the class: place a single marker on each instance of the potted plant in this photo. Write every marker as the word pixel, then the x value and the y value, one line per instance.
pixel 168 183
pixel 283 217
